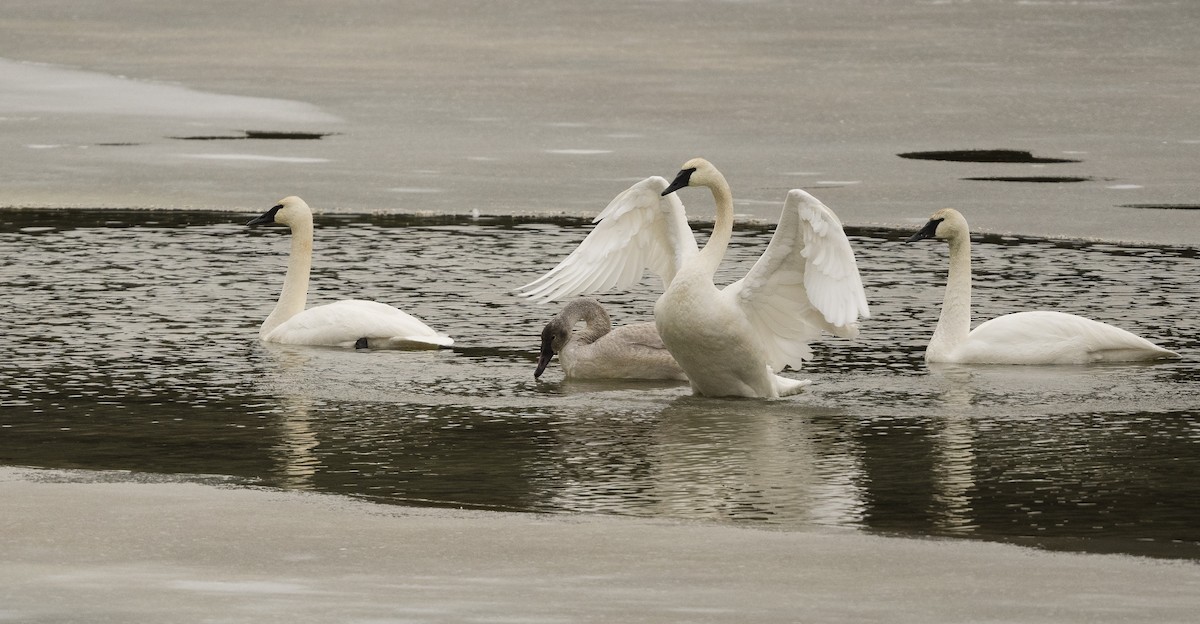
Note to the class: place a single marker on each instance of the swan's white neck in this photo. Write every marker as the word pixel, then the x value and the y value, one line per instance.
pixel 294 295
pixel 954 324
pixel 718 241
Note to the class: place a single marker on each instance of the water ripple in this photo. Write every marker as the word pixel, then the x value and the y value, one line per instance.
pixel 131 344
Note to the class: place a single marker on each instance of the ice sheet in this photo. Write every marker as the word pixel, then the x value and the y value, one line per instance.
pixel 550 107
pixel 38 88
pixel 122 547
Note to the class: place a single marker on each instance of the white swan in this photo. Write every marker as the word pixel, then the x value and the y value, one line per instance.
pixel 601 352
pixel 1020 338
pixel 346 323
pixel 729 341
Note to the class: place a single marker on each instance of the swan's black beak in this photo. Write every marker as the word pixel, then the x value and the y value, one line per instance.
pixel 681 180
pixel 929 231
pixel 266 217
pixel 546 354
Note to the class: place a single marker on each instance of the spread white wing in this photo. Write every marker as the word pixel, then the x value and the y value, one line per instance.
pixel 640 229
pixel 805 282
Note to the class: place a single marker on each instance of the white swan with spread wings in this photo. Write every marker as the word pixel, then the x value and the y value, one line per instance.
pixel 730 341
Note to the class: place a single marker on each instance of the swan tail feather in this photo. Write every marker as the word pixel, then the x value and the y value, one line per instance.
pixel 786 386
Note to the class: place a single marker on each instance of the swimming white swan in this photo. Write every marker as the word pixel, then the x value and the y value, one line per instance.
pixel 729 341
pixel 1021 338
pixel 602 352
pixel 346 323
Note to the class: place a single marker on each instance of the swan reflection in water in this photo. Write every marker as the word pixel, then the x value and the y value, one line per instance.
pixel 298 428
pixel 711 459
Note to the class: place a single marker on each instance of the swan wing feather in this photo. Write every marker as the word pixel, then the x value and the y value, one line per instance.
pixel 1049 337
pixel 640 229
pixel 806 281
pixel 343 323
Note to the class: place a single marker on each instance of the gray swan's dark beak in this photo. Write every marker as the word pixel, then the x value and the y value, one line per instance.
pixel 544 356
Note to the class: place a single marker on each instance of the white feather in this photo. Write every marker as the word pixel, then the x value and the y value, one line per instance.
pixel 638 230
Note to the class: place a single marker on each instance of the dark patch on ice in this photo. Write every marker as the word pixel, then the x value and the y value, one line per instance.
pixel 984 156
pixel 1163 206
pixel 287 136
pixel 268 135
pixel 1035 179
pixel 116 144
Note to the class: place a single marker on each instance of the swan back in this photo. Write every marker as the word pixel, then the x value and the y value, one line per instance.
pixel 1048 337
pixel 344 323
pixel 633 351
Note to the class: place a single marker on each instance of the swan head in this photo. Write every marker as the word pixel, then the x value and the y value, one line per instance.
pixel 288 211
pixel 695 172
pixel 554 336
pixel 945 224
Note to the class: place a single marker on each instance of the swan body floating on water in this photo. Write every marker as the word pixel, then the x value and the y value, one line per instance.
pixel 1040 337
pixel 601 351
pixel 346 323
pixel 730 341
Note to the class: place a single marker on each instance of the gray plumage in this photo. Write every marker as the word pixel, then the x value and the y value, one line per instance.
pixel 600 351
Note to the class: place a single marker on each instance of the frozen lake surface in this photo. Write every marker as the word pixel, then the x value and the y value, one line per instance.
pixel 538 107
pixel 135 347
pixel 145 549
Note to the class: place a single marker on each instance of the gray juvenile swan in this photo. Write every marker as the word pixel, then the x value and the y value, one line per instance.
pixel 602 352
pixel 730 341
pixel 1039 337
pixel 346 323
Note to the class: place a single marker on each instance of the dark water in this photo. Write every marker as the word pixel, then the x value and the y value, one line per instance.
pixel 130 342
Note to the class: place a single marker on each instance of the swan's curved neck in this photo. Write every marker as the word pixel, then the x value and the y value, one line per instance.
pixel 591 313
pixel 294 295
pixel 954 324
pixel 718 241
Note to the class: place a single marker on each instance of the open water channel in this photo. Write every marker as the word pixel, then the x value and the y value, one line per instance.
pixel 130 343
